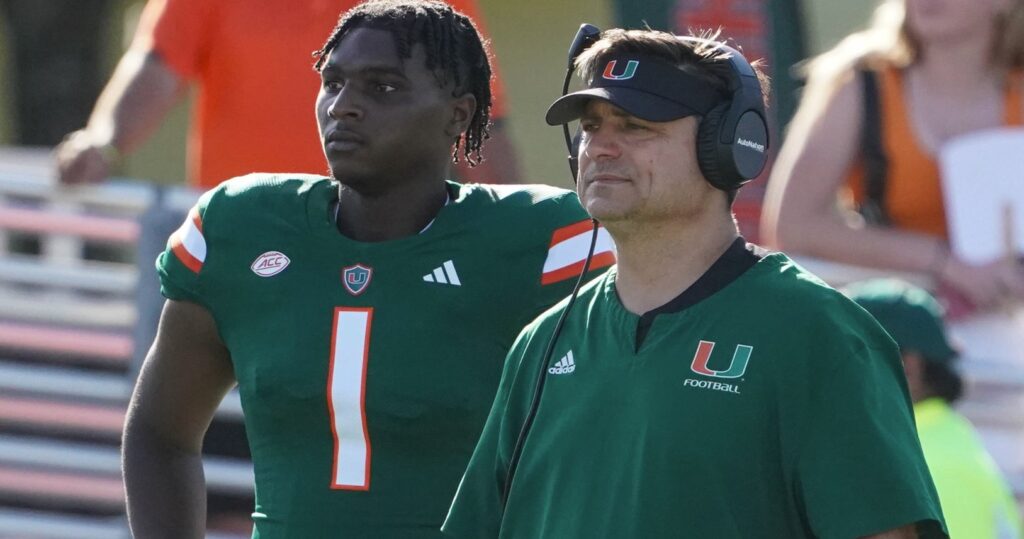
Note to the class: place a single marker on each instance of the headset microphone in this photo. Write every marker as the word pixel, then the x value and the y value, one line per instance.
pixel 585 37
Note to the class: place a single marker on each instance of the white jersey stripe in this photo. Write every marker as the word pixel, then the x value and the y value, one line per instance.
pixel 348 370
pixel 439 276
pixel 192 239
pixel 573 250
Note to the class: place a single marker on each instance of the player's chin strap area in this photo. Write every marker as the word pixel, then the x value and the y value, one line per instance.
pixel 540 378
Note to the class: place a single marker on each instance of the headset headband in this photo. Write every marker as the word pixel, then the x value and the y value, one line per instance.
pixel 744 86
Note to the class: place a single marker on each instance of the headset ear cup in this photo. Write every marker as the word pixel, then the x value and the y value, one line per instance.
pixel 708 148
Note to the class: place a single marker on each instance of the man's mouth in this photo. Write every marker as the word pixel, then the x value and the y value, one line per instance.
pixel 605 178
pixel 343 140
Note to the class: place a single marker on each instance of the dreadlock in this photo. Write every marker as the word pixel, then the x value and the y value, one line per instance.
pixel 455 52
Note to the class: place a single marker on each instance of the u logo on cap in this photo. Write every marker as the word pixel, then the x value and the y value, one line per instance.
pixel 609 70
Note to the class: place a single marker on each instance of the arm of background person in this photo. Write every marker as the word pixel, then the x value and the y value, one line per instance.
pixel 186 375
pixel 801 215
pixel 137 97
pixel 500 164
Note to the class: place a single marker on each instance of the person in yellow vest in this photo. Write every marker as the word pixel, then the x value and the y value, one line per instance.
pixel 974 496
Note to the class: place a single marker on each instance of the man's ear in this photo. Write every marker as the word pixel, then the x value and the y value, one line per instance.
pixel 463 108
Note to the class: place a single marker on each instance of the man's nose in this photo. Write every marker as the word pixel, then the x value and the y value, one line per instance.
pixel 345 105
pixel 601 144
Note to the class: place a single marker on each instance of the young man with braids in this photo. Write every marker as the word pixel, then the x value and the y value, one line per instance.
pixel 363 316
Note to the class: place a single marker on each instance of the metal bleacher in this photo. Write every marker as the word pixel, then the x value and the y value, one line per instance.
pixel 67 312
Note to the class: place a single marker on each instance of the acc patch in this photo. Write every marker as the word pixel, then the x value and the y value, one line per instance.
pixel 270 263
pixel 356 278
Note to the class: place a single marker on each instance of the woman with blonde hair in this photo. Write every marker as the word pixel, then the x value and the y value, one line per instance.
pixel 876 110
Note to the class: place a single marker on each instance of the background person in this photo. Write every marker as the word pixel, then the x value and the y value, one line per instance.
pixel 941 69
pixel 975 497
pixel 249 62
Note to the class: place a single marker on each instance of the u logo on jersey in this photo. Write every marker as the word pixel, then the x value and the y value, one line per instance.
pixel 609 70
pixel 736 368
pixel 356 278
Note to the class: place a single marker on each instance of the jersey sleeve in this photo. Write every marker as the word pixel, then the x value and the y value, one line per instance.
pixel 477 509
pixel 180 266
pixel 179 31
pixel 860 469
pixel 567 245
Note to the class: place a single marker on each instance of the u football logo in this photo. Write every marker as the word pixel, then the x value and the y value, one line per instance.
pixel 627 73
pixel 736 368
pixel 356 278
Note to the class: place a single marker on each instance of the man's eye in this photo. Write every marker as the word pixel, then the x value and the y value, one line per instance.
pixel 332 85
pixel 633 126
pixel 588 126
pixel 385 88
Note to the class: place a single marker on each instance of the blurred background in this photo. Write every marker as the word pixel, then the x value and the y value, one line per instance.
pixel 69 311
pixel 529 38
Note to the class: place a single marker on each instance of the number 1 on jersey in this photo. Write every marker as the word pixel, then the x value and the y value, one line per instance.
pixel 346 397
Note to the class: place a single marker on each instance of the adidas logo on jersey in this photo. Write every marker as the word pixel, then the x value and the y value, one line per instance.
pixel 566 365
pixel 444 274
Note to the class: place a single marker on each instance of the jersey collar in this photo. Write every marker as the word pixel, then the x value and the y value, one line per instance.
pixel 735 261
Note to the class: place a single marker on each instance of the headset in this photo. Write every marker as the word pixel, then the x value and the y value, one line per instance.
pixel 732 149
pixel 732 140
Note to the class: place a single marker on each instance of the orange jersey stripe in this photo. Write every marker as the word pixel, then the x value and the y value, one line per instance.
pixel 574 229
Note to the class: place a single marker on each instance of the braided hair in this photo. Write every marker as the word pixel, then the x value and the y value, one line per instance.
pixel 455 53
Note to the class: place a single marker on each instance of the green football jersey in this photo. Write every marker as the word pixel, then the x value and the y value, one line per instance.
pixel 764 405
pixel 366 369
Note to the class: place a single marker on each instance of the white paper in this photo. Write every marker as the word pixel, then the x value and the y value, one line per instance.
pixel 983 173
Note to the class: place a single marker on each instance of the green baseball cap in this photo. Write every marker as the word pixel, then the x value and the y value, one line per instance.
pixel 910 314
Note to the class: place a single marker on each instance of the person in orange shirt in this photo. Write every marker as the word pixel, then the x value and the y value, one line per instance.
pixel 251 63
pixel 941 69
